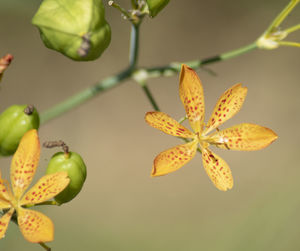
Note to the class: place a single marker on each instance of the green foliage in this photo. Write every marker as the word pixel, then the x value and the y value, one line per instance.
pixel 155 6
pixel 14 123
pixel 74 165
pixel 77 29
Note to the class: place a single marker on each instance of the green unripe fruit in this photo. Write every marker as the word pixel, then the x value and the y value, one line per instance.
pixel 15 121
pixel 76 28
pixel 74 165
pixel 155 6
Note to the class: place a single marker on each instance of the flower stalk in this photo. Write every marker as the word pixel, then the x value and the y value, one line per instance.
pixel 273 37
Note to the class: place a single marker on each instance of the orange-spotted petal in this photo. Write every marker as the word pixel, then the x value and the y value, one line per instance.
pixel 174 158
pixel 35 226
pixel 244 137
pixel 192 97
pixel 217 170
pixel 46 188
pixel 4 221
pixel 227 106
pixel 24 162
pixel 168 125
pixel 4 192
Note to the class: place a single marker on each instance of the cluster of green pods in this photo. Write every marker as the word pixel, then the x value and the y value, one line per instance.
pixel 15 121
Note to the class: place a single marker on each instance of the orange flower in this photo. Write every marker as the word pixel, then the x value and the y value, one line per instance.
pixel 244 137
pixel 35 226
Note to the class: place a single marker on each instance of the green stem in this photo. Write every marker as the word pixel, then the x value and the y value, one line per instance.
pixel 292 29
pixel 118 7
pixel 84 96
pixel 101 86
pixel 282 15
pixel 134 4
pixel 133 59
pixel 173 68
pixel 45 246
pixel 238 51
pixel 134 46
pixel 150 96
pixel 115 80
pixel 180 121
pixel 287 43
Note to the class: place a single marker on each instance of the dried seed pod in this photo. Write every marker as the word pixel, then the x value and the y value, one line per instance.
pixel 76 28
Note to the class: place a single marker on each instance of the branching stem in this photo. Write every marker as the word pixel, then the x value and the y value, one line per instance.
pixel 117 79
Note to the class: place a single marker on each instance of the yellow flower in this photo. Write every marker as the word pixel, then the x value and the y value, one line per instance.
pixel 245 137
pixel 35 226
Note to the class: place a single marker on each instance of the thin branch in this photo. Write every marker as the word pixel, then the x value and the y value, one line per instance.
pixel 119 8
pixel 134 46
pixel 117 79
pixel 150 97
pixel 45 246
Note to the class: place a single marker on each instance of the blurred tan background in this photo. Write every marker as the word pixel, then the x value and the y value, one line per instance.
pixel 120 206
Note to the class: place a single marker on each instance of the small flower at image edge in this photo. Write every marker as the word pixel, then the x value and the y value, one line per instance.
pixel 35 226
pixel 243 137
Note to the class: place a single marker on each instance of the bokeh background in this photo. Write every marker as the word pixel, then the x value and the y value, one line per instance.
pixel 120 206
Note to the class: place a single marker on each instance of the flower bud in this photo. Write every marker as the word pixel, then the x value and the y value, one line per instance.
pixel 76 28
pixel 73 164
pixel 15 121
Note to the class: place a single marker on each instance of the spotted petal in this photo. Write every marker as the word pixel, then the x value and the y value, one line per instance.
pixel 35 226
pixel 192 97
pixel 227 106
pixel 46 188
pixel 24 162
pixel 4 193
pixel 217 170
pixel 244 137
pixel 165 123
pixel 4 221
pixel 174 158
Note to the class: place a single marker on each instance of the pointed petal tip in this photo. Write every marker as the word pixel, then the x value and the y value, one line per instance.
pixel 273 135
pixel 185 67
pixel 270 137
pixel 226 188
pixel 153 172
pixel 240 86
pixel 148 113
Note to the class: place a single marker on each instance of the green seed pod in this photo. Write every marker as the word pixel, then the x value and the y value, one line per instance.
pixel 74 165
pixel 155 6
pixel 15 121
pixel 76 28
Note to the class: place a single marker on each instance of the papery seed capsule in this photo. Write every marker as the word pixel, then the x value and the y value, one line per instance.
pixel 15 121
pixel 74 165
pixel 76 28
